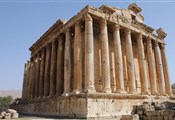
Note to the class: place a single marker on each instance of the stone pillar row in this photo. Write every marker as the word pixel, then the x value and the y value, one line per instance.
pixel 49 72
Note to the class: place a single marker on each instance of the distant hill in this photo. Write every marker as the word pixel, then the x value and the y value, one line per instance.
pixel 13 93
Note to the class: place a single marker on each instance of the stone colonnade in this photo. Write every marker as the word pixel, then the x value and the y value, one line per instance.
pixel 60 68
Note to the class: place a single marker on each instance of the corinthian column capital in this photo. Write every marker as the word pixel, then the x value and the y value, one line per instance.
pixel 88 17
pixel 156 43
pixel 162 46
pixel 116 27
pixel 103 23
pixel 127 31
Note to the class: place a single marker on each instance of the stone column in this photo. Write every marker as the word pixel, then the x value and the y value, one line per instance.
pixel 41 74
pixel 105 57
pixel 37 74
pixel 30 78
pixel 89 55
pixel 118 59
pixel 53 68
pixel 160 75
pixel 67 64
pixel 130 62
pixel 47 70
pixel 60 66
pixel 151 64
pixel 27 82
pixel 168 88
pixel 77 60
pixel 24 82
pixel 142 65
pixel 33 77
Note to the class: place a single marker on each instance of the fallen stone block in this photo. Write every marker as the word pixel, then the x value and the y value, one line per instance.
pixel 130 117
pixel 15 115
pixel 3 113
pixel 11 111
pixel 7 116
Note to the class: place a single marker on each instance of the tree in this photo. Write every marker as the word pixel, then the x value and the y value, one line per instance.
pixel 5 101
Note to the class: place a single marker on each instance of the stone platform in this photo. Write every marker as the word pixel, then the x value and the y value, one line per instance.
pixel 85 105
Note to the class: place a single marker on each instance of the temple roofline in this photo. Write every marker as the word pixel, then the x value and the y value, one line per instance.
pixel 133 25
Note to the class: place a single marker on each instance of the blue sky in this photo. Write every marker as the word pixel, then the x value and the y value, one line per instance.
pixel 23 22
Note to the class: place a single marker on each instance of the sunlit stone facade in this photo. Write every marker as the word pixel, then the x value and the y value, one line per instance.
pixel 99 63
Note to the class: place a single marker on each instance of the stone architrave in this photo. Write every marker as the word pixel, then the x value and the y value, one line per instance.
pixel 105 57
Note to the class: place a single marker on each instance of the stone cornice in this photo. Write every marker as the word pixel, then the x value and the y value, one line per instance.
pixel 54 28
pixel 60 25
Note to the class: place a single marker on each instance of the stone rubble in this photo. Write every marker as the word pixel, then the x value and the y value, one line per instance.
pixel 9 114
pixel 154 111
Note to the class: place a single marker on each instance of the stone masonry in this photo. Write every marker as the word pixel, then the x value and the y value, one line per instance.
pixel 99 63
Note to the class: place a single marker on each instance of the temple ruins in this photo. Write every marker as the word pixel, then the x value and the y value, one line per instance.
pixel 99 63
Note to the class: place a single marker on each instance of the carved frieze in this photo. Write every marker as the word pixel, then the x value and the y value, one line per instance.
pixel 122 19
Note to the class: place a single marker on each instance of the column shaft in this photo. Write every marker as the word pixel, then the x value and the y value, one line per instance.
pixel 89 55
pixel 142 65
pixel 105 56
pixel 28 79
pixel 31 78
pixel 24 81
pixel 168 88
pixel 67 64
pixel 77 60
pixel 130 62
pixel 152 71
pixel 60 66
pixel 37 75
pixel 53 68
pixel 47 70
pixel 42 69
pixel 160 75
pixel 118 59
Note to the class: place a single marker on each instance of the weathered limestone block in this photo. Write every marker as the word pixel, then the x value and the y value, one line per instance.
pixel 15 115
pixel 130 117
pixel 3 113
pixel 165 117
pixel 11 111
pixel 7 116
pixel 160 117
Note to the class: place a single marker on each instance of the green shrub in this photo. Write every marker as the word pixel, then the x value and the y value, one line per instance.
pixel 5 101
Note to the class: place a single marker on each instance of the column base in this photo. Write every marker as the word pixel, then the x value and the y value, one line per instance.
pixel 65 94
pixel 121 91
pixel 146 93
pixel 132 92
pixel 107 90
pixel 76 92
pixel 90 90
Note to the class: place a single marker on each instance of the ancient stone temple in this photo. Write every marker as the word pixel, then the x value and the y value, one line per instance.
pixel 99 63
